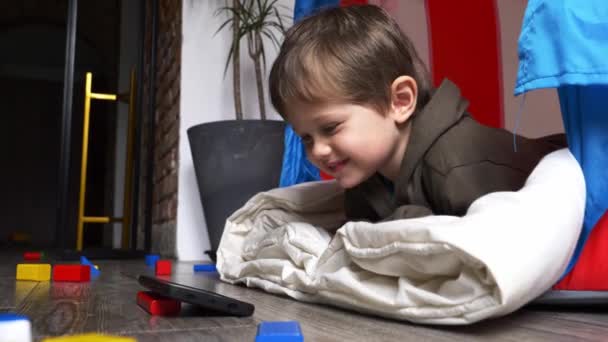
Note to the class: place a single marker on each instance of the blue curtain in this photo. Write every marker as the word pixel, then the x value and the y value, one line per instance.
pixel 564 44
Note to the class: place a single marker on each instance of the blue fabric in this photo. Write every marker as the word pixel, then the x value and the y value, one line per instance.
pixel 296 168
pixel 585 116
pixel 564 44
pixel 303 8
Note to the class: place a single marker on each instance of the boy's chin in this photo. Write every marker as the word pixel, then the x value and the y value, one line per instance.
pixel 346 183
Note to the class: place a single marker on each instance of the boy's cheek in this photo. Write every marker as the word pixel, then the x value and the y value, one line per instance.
pixel 313 162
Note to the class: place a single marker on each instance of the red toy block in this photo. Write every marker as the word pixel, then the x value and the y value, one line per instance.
pixel 32 256
pixel 163 267
pixel 158 305
pixel 71 273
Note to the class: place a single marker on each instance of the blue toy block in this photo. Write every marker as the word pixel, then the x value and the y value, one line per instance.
pixel 94 271
pixel 280 331
pixel 205 268
pixel 15 327
pixel 7 317
pixel 151 259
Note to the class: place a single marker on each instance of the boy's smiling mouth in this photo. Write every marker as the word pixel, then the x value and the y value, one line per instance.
pixel 336 166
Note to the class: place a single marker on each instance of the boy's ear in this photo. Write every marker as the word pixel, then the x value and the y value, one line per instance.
pixel 404 93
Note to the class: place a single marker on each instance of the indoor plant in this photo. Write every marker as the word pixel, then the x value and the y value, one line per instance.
pixel 253 20
pixel 235 159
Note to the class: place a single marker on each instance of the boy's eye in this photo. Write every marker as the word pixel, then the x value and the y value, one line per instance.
pixel 306 140
pixel 329 129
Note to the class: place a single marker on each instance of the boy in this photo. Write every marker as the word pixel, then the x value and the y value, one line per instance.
pixel 353 88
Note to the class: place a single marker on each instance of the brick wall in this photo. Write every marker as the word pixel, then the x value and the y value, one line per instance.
pixel 166 121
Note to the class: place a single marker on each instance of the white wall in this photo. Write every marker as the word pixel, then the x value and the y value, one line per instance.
pixel 207 96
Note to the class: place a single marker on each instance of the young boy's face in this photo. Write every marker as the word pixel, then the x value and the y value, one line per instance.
pixel 347 141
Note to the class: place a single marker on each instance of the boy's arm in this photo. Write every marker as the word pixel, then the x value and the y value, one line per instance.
pixel 409 211
pixel 452 194
pixel 370 201
pixel 465 184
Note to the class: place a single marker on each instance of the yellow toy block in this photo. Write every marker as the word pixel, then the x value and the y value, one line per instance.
pixel 90 338
pixel 38 272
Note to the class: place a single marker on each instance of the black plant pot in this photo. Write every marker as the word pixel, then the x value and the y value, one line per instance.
pixel 234 160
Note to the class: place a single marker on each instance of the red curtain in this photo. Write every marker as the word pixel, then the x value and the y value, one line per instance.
pixel 464 41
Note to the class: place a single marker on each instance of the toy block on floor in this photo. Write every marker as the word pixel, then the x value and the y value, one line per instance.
pixel 71 273
pixel 37 272
pixel 90 338
pixel 205 268
pixel 15 328
pixel 163 267
pixel 32 256
pixel 280 331
pixel 94 269
pixel 158 305
pixel 151 259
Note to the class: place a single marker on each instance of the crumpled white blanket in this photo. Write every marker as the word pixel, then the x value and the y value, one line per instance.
pixel 508 249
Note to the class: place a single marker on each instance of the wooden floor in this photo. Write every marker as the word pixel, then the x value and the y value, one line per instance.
pixel 108 305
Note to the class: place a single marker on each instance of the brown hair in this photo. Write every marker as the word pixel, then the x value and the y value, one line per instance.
pixel 350 54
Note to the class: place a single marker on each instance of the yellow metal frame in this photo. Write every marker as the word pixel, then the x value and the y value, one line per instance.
pixel 126 219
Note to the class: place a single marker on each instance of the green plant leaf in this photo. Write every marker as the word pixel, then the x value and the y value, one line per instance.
pixel 257 20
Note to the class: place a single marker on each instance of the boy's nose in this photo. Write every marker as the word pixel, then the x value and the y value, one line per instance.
pixel 321 150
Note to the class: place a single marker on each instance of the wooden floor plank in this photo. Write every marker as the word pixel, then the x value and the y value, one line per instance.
pixel 107 305
pixel 13 292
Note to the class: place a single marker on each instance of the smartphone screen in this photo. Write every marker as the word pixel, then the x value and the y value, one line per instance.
pixel 203 297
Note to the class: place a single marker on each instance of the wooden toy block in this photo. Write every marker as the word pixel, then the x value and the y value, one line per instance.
pixel 205 268
pixel 151 259
pixel 32 256
pixel 158 305
pixel 90 338
pixel 163 267
pixel 71 273
pixel 15 328
pixel 94 269
pixel 283 331
pixel 37 272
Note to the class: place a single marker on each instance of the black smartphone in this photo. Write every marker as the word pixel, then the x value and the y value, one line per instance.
pixel 204 298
